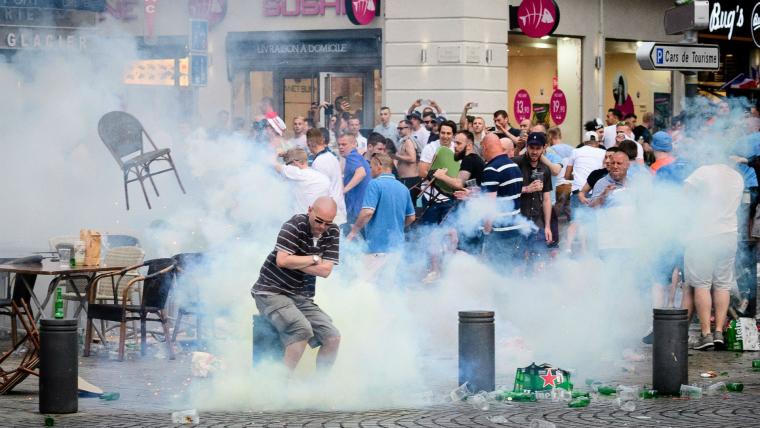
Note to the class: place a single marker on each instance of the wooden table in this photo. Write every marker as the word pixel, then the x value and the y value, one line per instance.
pixel 62 273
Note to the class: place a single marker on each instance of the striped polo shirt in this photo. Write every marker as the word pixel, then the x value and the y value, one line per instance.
pixel 295 238
pixel 503 177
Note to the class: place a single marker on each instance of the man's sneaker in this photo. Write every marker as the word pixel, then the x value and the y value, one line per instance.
pixel 718 340
pixel 704 342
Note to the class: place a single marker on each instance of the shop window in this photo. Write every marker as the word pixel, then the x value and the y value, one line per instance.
pixel 298 95
pixel 629 88
pixel 261 86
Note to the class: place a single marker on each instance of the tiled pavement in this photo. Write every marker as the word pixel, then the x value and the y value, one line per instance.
pixel 144 403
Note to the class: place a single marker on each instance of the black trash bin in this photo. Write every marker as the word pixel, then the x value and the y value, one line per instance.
pixel 59 369
pixel 670 350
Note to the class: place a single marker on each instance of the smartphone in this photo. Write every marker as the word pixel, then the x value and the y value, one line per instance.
pixel 473 105
pixel 425 102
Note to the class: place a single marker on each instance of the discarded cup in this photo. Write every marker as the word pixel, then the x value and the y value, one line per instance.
pixel 627 393
pixel 579 402
pixel 716 388
pixel 735 387
pixel 460 393
pixel 538 423
pixel 691 392
pixel 110 396
pixel 498 419
pixel 479 401
pixel 185 417
pixel 625 405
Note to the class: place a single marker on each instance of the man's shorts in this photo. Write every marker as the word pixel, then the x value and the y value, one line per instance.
pixel 296 318
pixel 578 211
pixel 709 262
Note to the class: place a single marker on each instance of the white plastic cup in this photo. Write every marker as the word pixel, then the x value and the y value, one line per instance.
pixel 64 255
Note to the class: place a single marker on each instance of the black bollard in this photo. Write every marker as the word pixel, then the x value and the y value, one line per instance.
pixel 670 351
pixel 59 369
pixel 477 364
pixel 267 345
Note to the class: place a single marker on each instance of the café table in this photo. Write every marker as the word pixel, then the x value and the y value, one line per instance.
pixel 62 273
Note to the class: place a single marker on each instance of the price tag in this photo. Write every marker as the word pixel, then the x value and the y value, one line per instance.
pixel 522 106
pixel 558 107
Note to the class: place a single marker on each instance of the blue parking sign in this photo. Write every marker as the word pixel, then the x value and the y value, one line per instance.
pixel 198 70
pixel 659 56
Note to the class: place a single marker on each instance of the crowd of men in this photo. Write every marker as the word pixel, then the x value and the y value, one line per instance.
pixel 407 185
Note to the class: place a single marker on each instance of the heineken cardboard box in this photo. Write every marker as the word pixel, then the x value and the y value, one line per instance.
pixel 741 335
pixel 540 380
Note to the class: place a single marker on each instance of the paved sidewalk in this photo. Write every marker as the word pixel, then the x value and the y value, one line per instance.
pixel 146 401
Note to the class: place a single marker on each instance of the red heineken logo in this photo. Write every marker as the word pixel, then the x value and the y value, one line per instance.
pixel 549 378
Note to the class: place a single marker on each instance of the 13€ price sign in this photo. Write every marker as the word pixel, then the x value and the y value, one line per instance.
pixel 558 107
pixel 522 107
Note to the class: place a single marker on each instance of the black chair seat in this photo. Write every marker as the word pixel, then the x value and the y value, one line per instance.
pixel 114 312
pixel 144 158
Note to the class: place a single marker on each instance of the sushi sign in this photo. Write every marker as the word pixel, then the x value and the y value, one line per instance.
pixel 537 18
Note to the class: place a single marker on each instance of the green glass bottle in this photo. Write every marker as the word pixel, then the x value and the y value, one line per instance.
pixel 756 364
pixel 59 303
pixel 579 402
pixel 577 394
pixel 606 390
pixel 518 396
pixel 735 387
pixel 519 380
pixel 648 393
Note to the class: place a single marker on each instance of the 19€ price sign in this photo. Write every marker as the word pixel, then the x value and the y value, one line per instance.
pixel 522 108
pixel 558 107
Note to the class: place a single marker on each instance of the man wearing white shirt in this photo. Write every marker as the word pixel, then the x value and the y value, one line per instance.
pixel 327 163
pixel 420 134
pixel 299 133
pixel 610 131
pixel 308 184
pixel 354 125
pixel 581 162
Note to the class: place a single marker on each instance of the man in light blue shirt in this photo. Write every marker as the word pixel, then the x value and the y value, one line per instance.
pixel 386 128
pixel 386 211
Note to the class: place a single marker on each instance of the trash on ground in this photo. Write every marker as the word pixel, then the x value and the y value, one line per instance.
pixel 49 421
pixel 185 417
pixel 579 402
pixel 643 417
pixel 576 394
pixel 625 405
pixel 709 374
pixel 648 394
pixel 203 364
pixel 498 419
pixel 628 393
pixel 735 387
pixel 517 396
pixel 541 380
pixel 110 396
pixel 741 335
pixel 539 423
pixel 604 389
pixel 756 364
pixel 691 392
pixel 460 393
pixel 479 401
pixel 716 388
pixel 631 355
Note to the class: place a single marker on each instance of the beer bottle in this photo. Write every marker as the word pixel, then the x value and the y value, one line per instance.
pixel 59 303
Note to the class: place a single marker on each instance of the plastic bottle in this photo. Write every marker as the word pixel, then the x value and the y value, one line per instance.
pixel 59 303
pixel 186 417
pixel 579 402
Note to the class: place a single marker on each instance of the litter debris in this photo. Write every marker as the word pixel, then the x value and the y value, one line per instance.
pixel 716 388
pixel 186 417
pixel 576 394
pixel 605 389
pixel 735 387
pixel 648 394
pixel 498 419
pixel 541 380
pixel 204 364
pixel 538 423
pixel 691 392
pixel 579 402
pixel 518 396
pixel 631 355
pixel 756 364
pixel 479 401
pixel 49 421
pixel 643 417
pixel 110 396
pixel 460 393
pixel 709 374
pixel 625 405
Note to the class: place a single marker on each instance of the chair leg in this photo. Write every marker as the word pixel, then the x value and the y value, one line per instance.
pixel 142 185
pixel 122 337
pixel 176 326
pixel 87 338
pixel 14 329
pixel 171 162
pixel 126 190
pixel 143 335
pixel 150 177
pixel 167 336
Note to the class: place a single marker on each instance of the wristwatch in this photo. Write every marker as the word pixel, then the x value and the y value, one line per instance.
pixel 316 259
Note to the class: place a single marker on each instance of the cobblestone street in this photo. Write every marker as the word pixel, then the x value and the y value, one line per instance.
pixel 144 404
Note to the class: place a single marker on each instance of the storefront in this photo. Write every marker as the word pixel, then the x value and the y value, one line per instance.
pixel 298 68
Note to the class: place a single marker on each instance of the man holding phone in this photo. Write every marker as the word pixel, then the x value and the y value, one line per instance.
pixel 535 200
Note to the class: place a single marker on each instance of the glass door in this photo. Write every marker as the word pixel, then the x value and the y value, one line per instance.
pixel 345 91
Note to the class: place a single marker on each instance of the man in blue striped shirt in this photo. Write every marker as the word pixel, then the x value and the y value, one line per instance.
pixel 502 180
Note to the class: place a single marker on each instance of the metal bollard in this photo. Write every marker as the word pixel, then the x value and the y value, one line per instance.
pixel 266 341
pixel 670 351
pixel 59 368
pixel 477 364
